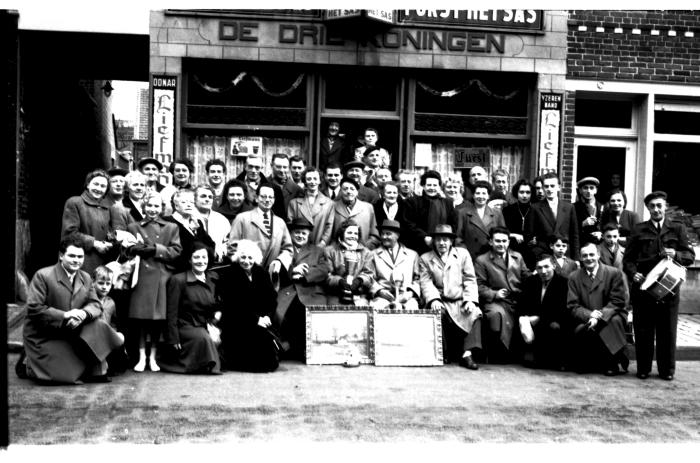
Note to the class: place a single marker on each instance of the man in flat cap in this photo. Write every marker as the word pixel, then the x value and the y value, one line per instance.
pixel 448 285
pixel 651 242
pixel 588 211
pixel 393 268
pixel 151 167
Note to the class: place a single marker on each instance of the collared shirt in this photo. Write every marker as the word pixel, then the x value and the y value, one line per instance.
pixel 545 285
pixel 553 205
pixel 658 225
pixel 594 272
pixel 391 210
pixel 70 277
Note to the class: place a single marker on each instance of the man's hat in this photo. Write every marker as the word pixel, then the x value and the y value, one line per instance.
pixel 390 225
pixel 145 161
pixel 300 222
pixel 443 230
pixel 117 171
pixel 654 195
pixel 351 164
pixel 347 179
pixel 587 181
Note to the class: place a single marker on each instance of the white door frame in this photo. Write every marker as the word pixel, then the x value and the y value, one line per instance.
pixel 630 145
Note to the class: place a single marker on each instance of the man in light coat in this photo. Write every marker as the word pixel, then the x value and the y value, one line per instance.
pixel 393 266
pixel 267 230
pixel 65 338
pixel 448 285
pixel 499 275
pixel 313 206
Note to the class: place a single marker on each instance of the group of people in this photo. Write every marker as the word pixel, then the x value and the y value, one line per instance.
pixel 219 274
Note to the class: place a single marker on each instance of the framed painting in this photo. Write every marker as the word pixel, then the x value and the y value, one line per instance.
pixel 335 333
pixel 407 338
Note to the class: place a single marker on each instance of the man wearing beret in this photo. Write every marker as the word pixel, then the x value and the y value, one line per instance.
pixel 588 211
pixel 651 242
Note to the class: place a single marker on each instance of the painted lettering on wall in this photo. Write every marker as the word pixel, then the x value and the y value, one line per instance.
pixel 550 125
pixel 414 39
pixel 163 123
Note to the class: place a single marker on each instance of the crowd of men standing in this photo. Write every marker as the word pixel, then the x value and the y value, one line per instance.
pixel 220 273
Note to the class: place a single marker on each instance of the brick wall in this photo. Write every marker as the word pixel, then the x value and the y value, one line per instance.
pixel 655 46
pixel 567 159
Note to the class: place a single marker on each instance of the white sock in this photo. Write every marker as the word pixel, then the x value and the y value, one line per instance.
pixel 467 353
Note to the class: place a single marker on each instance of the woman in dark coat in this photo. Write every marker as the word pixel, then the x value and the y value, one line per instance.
pixel 92 220
pixel 423 213
pixel 476 221
pixel 192 304
pixel 391 206
pixel 248 302
pixel 515 216
pixel 233 200
pixel 191 228
pixel 158 246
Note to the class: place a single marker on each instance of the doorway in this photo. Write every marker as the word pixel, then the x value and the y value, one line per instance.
pixel 612 162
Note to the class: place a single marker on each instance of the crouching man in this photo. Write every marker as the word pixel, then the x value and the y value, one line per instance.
pixel 393 267
pixel 448 285
pixel 597 300
pixel 65 338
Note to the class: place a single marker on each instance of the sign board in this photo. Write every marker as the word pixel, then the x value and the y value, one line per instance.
pixel 466 158
pixel 385 16
pixel 164 105
pixel 342 14
pixel 243 146
pixel 551 105
pixel 523 20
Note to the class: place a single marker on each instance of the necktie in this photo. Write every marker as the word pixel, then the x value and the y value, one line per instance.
pixel 333 194
pixel 267 223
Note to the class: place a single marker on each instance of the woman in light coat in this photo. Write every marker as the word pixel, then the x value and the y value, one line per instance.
pixel 315 207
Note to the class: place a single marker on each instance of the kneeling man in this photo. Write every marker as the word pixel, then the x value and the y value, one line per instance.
pixel 499 274
pixel 393 266
pixel 597 300
pixel 65 338
pixel 448 284
pixel 545 322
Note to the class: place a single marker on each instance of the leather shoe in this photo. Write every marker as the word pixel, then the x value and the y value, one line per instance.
pixel 468 362
pixel 666 377
pixel 642 375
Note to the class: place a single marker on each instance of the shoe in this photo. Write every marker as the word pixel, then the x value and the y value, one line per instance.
pixel 469 363
pixel 642 375
pixel 97 379
pixel 666 377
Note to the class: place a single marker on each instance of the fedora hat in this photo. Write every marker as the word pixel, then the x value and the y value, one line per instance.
pixel 443 230
pixel 300 222
pixel 351 164
pixel 390 225
pixel 149 160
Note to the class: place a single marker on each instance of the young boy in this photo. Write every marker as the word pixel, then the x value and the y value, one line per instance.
pixel 102 282
pixel 610 251
pixel 564 265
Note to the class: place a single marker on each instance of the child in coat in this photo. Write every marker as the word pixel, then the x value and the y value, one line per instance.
pixel 564 265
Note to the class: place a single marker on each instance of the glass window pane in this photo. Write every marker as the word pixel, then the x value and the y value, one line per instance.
pixel 603 113
pixel 684 123
pixel 369 89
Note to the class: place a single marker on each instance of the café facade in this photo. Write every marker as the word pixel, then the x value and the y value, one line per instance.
pixel 446 89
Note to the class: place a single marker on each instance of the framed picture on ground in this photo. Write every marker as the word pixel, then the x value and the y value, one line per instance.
pixel 407 338
pixel 339 334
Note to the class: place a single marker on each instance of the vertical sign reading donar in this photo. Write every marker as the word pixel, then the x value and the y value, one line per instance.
pixel 163 104
pixel 550 124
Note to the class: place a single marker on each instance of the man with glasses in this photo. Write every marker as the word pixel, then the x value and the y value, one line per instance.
pixel 253 177
pixel 267 230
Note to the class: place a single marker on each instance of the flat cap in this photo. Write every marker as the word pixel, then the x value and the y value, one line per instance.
pixel 117 171
pixel 588 180
pixel 149 160
pixel 655 195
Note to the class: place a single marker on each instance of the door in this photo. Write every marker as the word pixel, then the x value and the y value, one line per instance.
pixel 613 162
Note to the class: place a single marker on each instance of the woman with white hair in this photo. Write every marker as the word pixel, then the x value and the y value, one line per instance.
pixel 249 301
pixel 454 188
pixel 135 185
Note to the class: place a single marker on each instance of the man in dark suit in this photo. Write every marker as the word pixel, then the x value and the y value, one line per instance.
pixel 544 320
pixel 589 211
pixel 332 175
pixel 354 170
pixel 332 147
pixel 651 242
pixel 598 300
pixel 551 217
pixel 301 286
pixel 253 177
pixel 282 178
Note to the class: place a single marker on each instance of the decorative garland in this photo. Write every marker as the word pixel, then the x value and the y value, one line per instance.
pixel 463 87
pixel 257 81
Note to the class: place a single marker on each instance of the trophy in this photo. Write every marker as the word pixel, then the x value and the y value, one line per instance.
pixel 396 280
pixel 350 266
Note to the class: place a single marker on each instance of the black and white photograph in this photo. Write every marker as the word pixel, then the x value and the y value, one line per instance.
pixel 418 228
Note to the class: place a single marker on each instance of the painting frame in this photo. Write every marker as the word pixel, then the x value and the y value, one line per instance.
pixel 407 338
pixel 331 330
